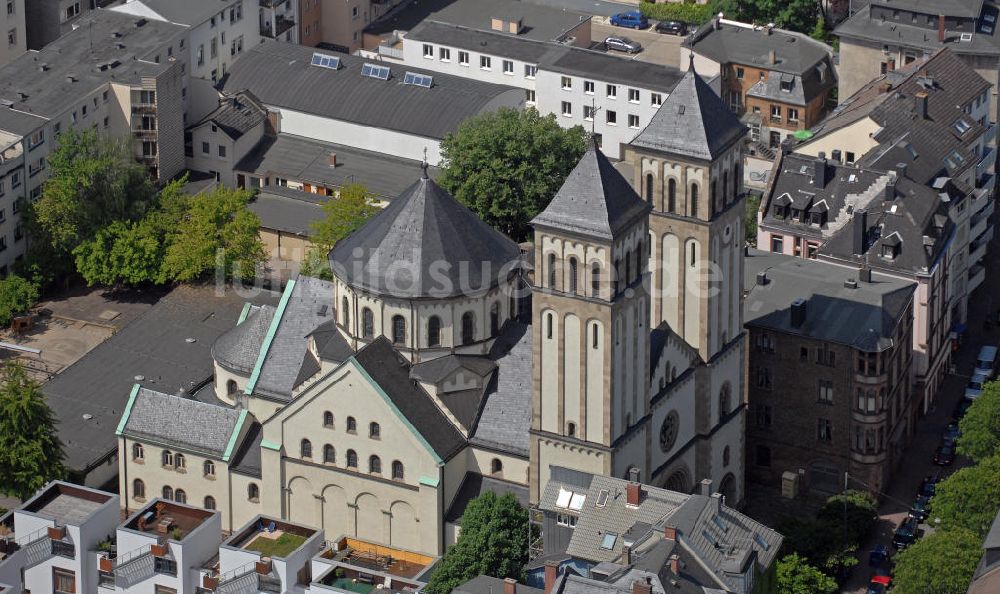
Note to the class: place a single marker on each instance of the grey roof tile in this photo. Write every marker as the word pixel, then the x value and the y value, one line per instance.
pixel 237 349
pixel 287 210
pixel 864 25
pixel 206 428
pixel 237 114
pixel 474 485
pixel 506 417
pixel 246 460
pixel 330 343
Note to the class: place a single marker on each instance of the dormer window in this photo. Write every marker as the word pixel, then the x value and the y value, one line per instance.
pixel 888 251
pixel 890 246
pixel 781 212
pixel 786 85
pixel 961 126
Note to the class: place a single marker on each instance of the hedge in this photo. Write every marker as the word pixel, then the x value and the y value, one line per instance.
pixel 677 11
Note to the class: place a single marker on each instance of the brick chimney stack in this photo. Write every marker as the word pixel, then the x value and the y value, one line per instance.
pixel 633 493
pixel 509 586
pixel 940 28
pixel 670 533
pixel 643 586
pixel 675 565
pixel 551 572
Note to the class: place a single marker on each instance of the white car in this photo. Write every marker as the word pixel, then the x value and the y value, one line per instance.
pixel 975 386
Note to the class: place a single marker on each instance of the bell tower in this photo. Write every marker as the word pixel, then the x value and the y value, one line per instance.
pixel 591 327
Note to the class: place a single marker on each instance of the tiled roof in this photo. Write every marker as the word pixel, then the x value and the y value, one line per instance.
pixel 237 349
pixel 474 485
pixel 739 43
pixel 237 114
pixel 206 428
pixel 506 416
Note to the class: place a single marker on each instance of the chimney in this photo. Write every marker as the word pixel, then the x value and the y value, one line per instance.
pixel 920 104
pixel 860 223
pixel 633 493
pixel 333 159
pixel 940 28
pixel 626 556
pixel 770 28
pixel 509 586
pixel 835 155
pixel 675 564
pixel 762 278
pixel 551 572
pixel 798 312
pixel 890 191
pixel 772 56
pixel 716 502
pixel 786 145
pixel 670 533
pixel 865 274
pixel 644 586
pixel 706 487
pixel 819 171
pixel 900 170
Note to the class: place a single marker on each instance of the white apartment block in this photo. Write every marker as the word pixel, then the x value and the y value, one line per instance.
pixel 12 25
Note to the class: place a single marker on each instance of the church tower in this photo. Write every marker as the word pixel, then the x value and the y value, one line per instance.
pixel 591 327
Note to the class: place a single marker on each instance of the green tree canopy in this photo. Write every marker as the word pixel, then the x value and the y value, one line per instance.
pixel 30 453
pixel 342 215
pixel 122 253
pixel 17 295
pixel 860 509
pixel 750 219
pixel 796 576
pixel 508 164
pixel 939 563
pixel 980 427
pixel 968 498
pixel 493 541
pixel 795 15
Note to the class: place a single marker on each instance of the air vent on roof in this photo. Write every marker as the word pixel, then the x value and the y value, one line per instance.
pixel 71 78
pixel 966 37
pixel 375 71
pixel 325 61
pixel 120 45
pixel 116 34
pixel 21 95
pixel 43 67
pixel 322 310
pixel 680 110
pixel 850 284
pixel 418 80
pixel 6 103
pixel 140 23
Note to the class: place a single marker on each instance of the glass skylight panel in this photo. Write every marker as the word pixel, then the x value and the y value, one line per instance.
pixel 576 503
pixel 961 126
pixel 563 499
pixel 608 542
pixel 325 61
pixel 375 71
pixel 418 80
pixel 602 498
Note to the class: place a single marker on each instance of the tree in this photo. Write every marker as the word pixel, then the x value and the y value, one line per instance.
pixel 795 576
pixel 750 219
pixel 939 563
pixel 30 453
pixel 17 295
pixel 794 15
pixel 342 215
pixel 122 254
pixel 819 30
pixel 506 165
pixel 493 541
pixel 850 516
pixel 968 498
pixel 980 427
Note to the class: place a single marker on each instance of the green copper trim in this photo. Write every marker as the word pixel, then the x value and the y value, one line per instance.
pixel 430 481
pixel 128 410
pixel 236 433
pixel 244 313
pixel 269 337
pixel 270 445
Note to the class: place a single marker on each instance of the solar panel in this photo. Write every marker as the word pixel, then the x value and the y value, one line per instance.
pixel 419 80
pixel 325 61
pixel 375 71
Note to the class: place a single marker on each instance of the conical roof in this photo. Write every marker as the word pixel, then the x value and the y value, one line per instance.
pixel 692 121
pixel 594 200
pixel 425 244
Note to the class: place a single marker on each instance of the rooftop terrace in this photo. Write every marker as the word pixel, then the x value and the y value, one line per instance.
pixel 271 538
pixel 168 520
pixel 66 504
pixel 377 558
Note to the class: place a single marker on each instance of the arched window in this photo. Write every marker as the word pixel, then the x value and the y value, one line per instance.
pixel 328 420
pixel 375 465
pixel 352 459
pixel 167 458
pixel 329 454
pixel 628 270
pixel 306 448
pixel 649 187
pixel 346 312
pixel 137 452
pixel 253 492
pixel 573 275
pixel 694 254
pixel 434 331
pixel 725 187
pixel 209 468
pixel 725 456
pixel 671 195
pixel 209 502
pixel 548 325
pixel 168 493
pixel 571 429
pixel 397 470
pixel 179 461
pixel 231 387
pixel 398 329
pixel 352 425
pixel 724 397
pixel 496 466
pixel 637 254
pixel 468 328
pixel 736 181
pixel 693 200
pixel 712 198
pixel 595 280
pixel 495 319
pixel 138 489
pixel 367 323
pixel 552 271
pixel 596 338
pixel 180 496
pixel 374 431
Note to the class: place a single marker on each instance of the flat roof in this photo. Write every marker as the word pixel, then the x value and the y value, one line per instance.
pixel 163 517
pixel 537 21
pixel 266 528
pixel 65 503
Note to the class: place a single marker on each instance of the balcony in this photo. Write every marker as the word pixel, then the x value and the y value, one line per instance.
pixel 61 548
pixel 977 274
pixel 139 108
pixel 144 133
pixel 977 248
pixel 281 25
pixel 984 164
pixel 980 221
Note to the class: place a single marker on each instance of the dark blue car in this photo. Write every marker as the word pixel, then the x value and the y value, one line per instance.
pixel 632 19
pixel 878 555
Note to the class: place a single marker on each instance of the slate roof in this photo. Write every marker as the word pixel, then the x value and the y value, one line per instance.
pixel 306 160
pixel 738 43
pixel 246 460
pixel 236 114
pixel 484 584
pixel 595 200
pixel 287 210
pixel 280 75
pixel 474 485
pixel 330 343
pixel 424 244
pixel 206 428
pixel 153 346
pixel 185 12
pixel 465 405
pixel 864 26
pixel 506 416
pixel 611 68
pixel 392 373
pixel 237 349
pixel 834 313
pixel 692 121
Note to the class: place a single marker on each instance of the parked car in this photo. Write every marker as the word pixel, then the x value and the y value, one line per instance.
pixel 928 485
pixel 975 386
pixel 986 361
pixel 951 433
pixel 672 27
pixel 632 19
pixel 960 409
pixel 878 555
pixel 875 589
pixel 944 455
pixel 882 578
pixel 905 534
pixel 623 44
pixel 921 508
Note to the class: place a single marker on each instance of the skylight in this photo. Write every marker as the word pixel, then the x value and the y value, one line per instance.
pixel 608 542
pixel 563 499
pixel 576 503
pixel 602 498
pixel 325 61
pixel 961 126
pixel 418 80
pixel 375 71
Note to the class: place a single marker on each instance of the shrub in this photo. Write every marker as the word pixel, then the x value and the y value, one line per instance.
pixel 677 11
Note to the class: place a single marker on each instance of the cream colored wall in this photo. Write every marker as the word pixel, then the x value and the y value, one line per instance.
pixel 515 468
pixel 856 138
pixel 222 377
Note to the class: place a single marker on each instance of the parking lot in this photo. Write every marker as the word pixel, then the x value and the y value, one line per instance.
pixel 657 48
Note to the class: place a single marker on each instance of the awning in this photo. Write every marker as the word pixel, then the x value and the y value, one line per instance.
pixel 802 134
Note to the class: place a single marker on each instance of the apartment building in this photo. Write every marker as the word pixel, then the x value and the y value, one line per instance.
pixel 49 543
pixel 126 79
pixel 47 20
pixel 12 22
pixel 829 388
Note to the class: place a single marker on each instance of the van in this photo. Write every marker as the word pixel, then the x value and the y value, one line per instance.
pixel 986 361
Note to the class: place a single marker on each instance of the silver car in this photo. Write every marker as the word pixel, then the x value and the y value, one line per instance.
pixel 623 44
